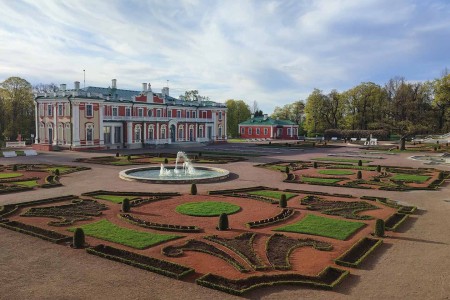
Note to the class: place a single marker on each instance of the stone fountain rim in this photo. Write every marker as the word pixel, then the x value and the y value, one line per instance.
pixel 223 174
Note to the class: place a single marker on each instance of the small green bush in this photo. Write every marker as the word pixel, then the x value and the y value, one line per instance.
pixel 14 168
pixel 126 205
pixel 359 175
pixel 78 238
pixel 287 169
pixel 117 154
pixel 193 189
pixel 378 168
pixel 166 161
pixel 379 228
pixel 360 163
pixel 315 165
pixel 223 222
pixel 199 154
pixel 57 172
pixel 128 157
pixel 441 176
pixel 283 201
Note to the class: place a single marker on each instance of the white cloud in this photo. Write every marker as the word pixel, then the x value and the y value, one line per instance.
pixel 273 52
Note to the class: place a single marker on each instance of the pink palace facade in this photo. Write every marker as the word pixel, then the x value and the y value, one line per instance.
pixel 112 118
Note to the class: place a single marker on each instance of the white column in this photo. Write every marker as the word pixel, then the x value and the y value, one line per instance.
pixel 271 132
pixel 129 133
pixel 224 129
pixel 113 133
pixel 75 124
pixel 145 132
pixel 196 132
pixel 157 132
pixel 38 127
pixel 213 133
pixel 55 126
pixel 292 131
pixel 101 112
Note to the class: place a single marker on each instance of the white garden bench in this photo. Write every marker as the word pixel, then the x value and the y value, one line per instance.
pixel 353 139
pixel 334 138
pixel 30 152
pixel 9 154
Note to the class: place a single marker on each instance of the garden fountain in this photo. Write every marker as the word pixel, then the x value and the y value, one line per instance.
pixel 433 159
pixel 185 173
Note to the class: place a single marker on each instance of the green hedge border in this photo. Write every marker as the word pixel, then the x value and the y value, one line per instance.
pixel 272 280
pixel 45 235
pixel 341 259
pixel 97 251
pixel 402 218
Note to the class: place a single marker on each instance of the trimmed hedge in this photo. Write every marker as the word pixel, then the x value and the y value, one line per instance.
pixel 38 232
pixel 394 221
pixel 358 252
pixel 242 190
pixel 284 215
pixel 380 134
pixel 327 279
pixel 151 264
pixel 159 226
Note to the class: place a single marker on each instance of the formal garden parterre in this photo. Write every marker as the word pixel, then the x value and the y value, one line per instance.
pixel 327 233
pixel 344 172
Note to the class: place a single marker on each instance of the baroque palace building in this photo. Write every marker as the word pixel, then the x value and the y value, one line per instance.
pixel 112 118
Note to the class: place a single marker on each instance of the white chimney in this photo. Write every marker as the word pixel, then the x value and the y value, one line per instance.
pixel 114 84
pixel 149 87
pixel 76 85
pixel 144 87
pixel 265 117
pixel 62 87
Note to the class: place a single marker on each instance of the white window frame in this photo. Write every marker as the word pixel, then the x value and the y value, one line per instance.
pixel 91 110
pixel 258 131
pixel 116 110
pixel 266 131
pixel 89 127
pixel 250 131
pixel 128 111
pixel 50 110
pixel 60 110
pixel 140 112
pixel 158 113
pixel 178 114
pixel 220 116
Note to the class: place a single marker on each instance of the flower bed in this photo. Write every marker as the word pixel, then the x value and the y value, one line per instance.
pixel 284 215
pixel 327 279
pixel 343 209
pixel 207 208
pixel 279 247
pixel 78 210
pixel 394 221
pixel 254 197
pixel 358 252
pixel 243 246
pixel 199 246
pixel 159 226
pixel 155 265
pixel 241 190
pixel 41 233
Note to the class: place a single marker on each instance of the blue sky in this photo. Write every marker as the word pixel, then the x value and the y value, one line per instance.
pixel 272 52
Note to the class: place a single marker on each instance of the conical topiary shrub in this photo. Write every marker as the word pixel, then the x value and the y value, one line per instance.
pixel 315 165
pixel 379 228
pixel 378 168
pixel 441 175
pixel 57 172
pixel 78 238
pixel 128 157
pixel 359 175
pixel 360 163
pixel 193 189
pixel 286 170
pixel 166 161
pixel 117 154
pixel 14 167
pixel 223 222
pixel 283 201
pixel 126 205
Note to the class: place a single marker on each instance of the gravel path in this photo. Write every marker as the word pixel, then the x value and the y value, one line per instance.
pixel 413 266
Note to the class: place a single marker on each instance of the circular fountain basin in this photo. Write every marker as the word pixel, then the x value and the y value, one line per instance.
pixel 433 159
pixel 152 175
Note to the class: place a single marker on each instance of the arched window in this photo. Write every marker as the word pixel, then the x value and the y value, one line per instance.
pixel 137 134
pixel 180 132
pixel 220 131
pixel 89 133
pixel 200 131
pixel 151 132
pixel 163 132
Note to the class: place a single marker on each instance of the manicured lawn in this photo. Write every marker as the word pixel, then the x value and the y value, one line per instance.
pixel 108 231
pixel 410 178
pixel 123 162
pixel 272 194
pixel 9 175
pixel 352 167
pixel 336 172
pixel 317 225
pixel 207 208
pixel 30 183
pixel 114 198
pixel 277 167
pixel 338 159
pixel 321 180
